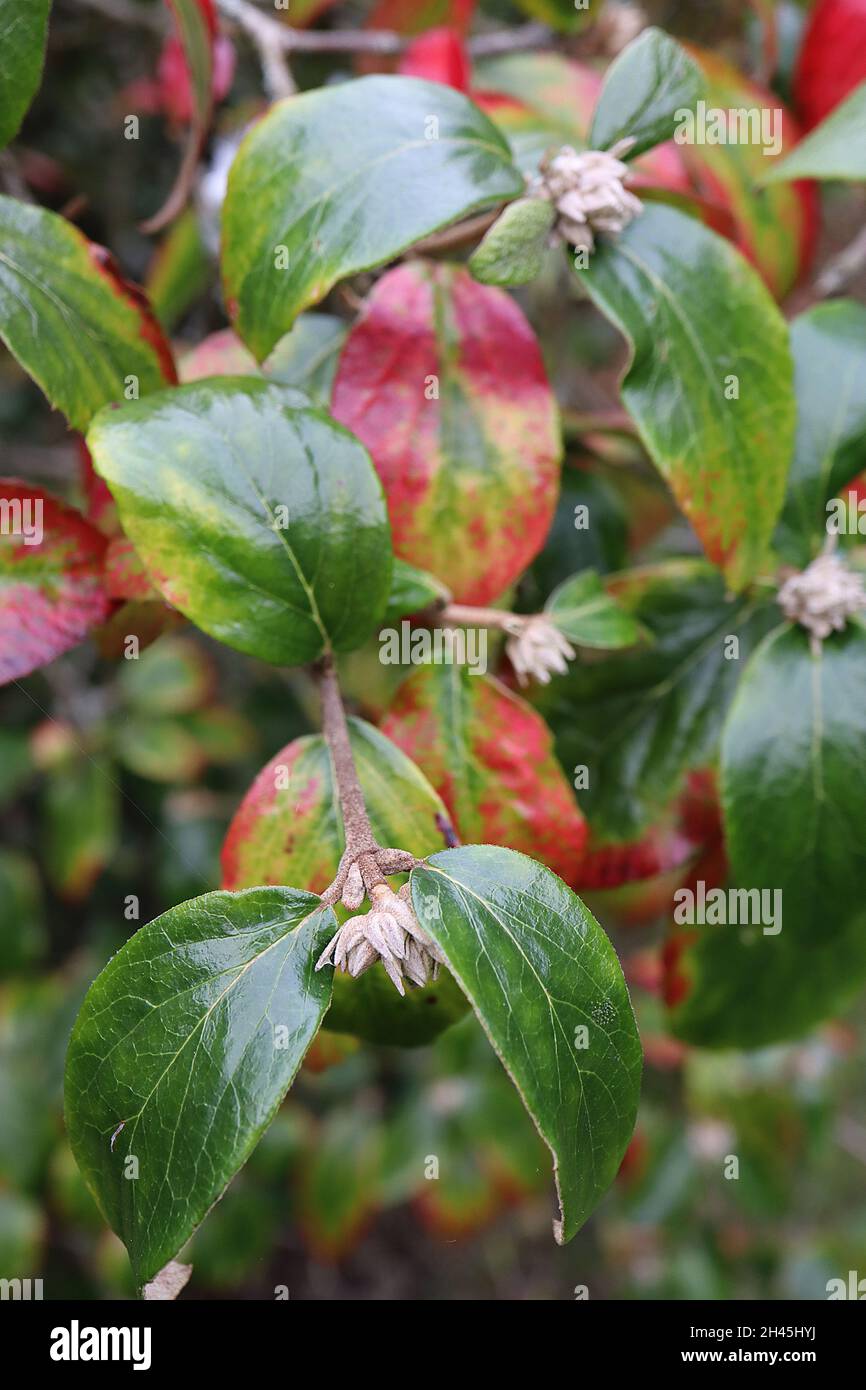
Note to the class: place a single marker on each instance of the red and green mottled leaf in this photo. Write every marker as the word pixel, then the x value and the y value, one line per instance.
pixel 444 382
pixel 342 179
pixel 52 592
pixel 125 575
pixel 715 411
pixel 490 758
pixel 23 34
pixel 85 335
pixel 288 828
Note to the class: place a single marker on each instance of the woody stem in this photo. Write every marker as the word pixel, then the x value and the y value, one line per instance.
pixel 361 846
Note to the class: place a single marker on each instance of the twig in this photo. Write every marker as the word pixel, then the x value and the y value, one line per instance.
pixel 460 234
pixel 383 41
pixel 267 37
pixel 361 846
pixel 842 268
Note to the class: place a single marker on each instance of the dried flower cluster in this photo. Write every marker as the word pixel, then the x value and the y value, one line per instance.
pixel 536 648
pixel 389 932
pixel 823 597
pixel 589 193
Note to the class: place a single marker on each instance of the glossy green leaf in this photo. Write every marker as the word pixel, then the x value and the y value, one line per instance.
pixel 84 334
pixel 584 611
pixel 489 756
pixel 715 410
pixel 258 518
pixel 23 34
pixel 547 986
pixel 836 149
pixel 829 347
pixel 645 89
pixel 412 590
pixel 639 720
pixel 343 179
pixel 794 794
pixel 182 1052
pixel 514 250
pixel 179 272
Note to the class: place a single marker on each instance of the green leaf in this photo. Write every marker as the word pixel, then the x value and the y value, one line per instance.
pixel 674 288
pixel 586 614
pixel 829 347
pixel 537 968
pixel 22 932
pixel 640 720
pixel 645 89
pixel 173 676
pixel 563 15
pixel 23 34
pixel 75 325
pixel 836 149
pixel 514 250
pixel 161 750
pixel 258 518
pixel 794 794
pixel 412 590
pixel 345 178
pixel 81 822
pixel 183 1050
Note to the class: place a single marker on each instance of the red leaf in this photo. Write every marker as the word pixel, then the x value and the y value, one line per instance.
pixel 51 590
pixel 832 60
pixel 125 575
pixel 173 87
pixel 490 758
pixel 439 56
pixel 443 381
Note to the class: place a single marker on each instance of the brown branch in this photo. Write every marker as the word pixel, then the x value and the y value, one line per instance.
pixel 361 845
pixel 382 41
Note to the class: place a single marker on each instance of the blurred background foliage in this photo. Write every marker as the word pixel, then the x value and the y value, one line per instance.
pixel 387 1174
